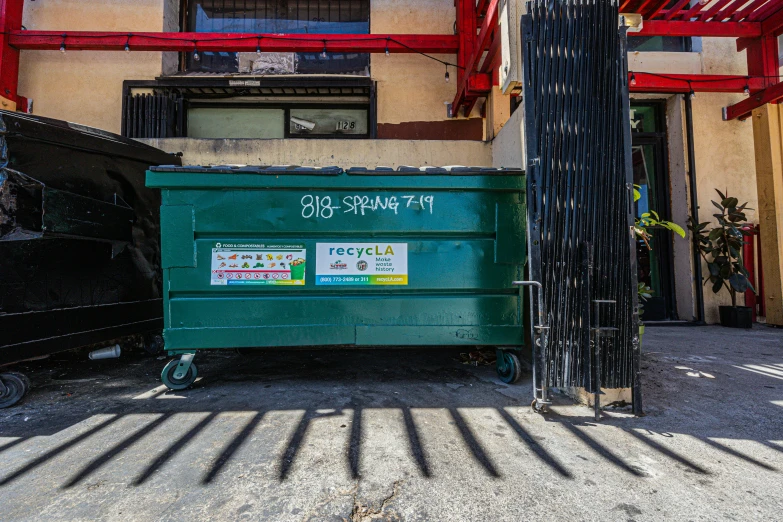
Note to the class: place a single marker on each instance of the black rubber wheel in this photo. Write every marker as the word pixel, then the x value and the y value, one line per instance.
pixel 24 377
pixel 167 376
pixel 508 367
pixel 16 385
pixel 153 344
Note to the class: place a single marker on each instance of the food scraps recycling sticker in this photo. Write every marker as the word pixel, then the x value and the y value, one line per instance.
pixel 361 263
pixel 258 264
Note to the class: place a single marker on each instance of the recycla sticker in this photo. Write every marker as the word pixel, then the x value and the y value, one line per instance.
pixel 361 263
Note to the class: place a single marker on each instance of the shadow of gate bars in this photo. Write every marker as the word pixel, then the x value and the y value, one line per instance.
pixel 580 197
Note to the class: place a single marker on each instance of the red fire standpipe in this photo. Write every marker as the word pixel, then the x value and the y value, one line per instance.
pixel 762 300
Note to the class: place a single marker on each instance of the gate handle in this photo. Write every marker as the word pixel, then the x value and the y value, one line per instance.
pixel 541 323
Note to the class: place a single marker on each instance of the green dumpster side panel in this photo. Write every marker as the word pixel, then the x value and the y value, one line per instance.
pixel 177 221
pixel 464 236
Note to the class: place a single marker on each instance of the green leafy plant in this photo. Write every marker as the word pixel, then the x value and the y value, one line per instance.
pixel 721 247
pixel 651 220
pixel 645 292
pixel 642 228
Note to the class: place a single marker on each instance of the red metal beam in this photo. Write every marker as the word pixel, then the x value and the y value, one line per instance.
pixel 492 53
pixel 10 20
pixel 675 10
pixel 765 11
pixel 683 83
pixel 774 24
pixel 762 57
pixel 686 28
pixel 741 14
pixel 686 15
pixel 490 21
pixel 654 12
pixel 466 30
pixel 712 11
pixel 744 109
pixel 233 42
pixel 481 8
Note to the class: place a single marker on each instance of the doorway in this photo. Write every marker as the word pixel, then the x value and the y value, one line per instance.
pixel 651 175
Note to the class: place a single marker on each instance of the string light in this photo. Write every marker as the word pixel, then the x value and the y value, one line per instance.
pixel 692 94
pixel 258 46
pixel 746 90
pixel 633 79
pixel 197 56
pixel 447 73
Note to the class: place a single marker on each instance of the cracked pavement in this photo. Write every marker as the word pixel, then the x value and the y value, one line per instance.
pixel 396 435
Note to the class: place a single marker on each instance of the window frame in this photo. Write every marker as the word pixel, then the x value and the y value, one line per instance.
pixel 286 107
pixel 202 91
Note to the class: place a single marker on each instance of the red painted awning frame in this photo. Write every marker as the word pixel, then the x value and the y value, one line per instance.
pixel 234 42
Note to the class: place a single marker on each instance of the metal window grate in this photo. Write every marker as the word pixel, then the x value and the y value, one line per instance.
pixel 281 16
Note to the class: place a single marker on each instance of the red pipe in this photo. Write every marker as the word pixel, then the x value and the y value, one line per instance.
pixel 233 42
pixel 762 300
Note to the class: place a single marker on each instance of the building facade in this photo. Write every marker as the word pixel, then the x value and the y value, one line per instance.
pixel 350 109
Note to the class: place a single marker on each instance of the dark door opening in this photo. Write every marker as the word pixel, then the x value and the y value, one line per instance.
pixel 651 175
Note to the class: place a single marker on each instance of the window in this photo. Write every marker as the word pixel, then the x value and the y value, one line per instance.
pixel 260 108
pixel 674 44
pixel 279 121
pixel 279 16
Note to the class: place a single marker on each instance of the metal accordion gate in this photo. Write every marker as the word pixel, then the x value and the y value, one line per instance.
pixel 580 198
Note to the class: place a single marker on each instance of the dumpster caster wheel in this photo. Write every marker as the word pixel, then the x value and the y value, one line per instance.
pixel 538 408
pixel 508 367
pixel 14 386
pixel 167 376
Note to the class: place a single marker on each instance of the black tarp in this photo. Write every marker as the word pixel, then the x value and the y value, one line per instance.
pixel 79 237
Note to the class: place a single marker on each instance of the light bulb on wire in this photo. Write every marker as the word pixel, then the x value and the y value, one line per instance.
pixel 633 79
pixel 447 74
pixel 323 53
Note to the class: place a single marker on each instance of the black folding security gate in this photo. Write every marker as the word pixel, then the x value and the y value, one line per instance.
pixel 580 196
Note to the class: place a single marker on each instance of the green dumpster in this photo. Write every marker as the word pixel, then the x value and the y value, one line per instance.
pixel 294 256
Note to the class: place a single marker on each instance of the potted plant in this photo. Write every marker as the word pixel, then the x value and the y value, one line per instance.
pixel 721 249
pixel 644 224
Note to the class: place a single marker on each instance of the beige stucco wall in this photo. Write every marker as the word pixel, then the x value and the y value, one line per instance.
pixel 412 87
pixel 508 146
pixel 344 153
pixel 86 87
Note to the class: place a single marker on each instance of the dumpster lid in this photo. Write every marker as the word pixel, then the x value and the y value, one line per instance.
pixel 454 170
pixel 248 169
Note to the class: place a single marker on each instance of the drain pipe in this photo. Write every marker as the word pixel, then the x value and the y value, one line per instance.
pixel 694 209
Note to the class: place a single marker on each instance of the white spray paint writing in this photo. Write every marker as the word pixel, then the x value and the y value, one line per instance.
pixel 321 206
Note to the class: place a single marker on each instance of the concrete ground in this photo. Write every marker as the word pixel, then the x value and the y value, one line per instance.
pixel 397 435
